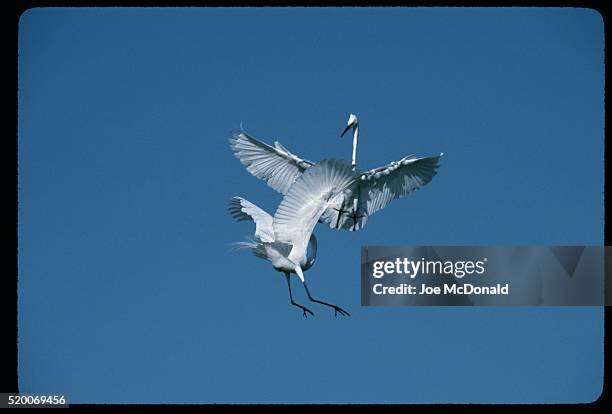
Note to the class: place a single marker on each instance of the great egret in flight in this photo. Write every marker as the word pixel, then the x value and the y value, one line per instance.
pixel 283 239
pixel 373 190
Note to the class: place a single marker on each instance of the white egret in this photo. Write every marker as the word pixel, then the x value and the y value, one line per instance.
pixel 284 238
pixel 373 191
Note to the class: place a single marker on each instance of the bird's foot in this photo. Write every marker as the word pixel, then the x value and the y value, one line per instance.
pixel 306 312
pixel 339 310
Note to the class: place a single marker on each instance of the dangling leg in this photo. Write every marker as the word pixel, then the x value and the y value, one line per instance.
pixel 337 309
pixel 304 309
pixel 340 213
pixel 355 217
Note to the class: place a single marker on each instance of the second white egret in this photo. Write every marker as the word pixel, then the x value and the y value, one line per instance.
pixel 372 191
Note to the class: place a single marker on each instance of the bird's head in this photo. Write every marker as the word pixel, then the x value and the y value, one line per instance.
pixel 353 122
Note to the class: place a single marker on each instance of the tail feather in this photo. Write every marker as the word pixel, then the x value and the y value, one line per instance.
pixel 258 249
pixel 247 244
pixel 264 250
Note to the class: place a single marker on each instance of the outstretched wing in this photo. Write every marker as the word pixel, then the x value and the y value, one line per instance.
pixel 278 167
pixel 380 186
pixel 321 186
pixel 242 210
pixel 376 188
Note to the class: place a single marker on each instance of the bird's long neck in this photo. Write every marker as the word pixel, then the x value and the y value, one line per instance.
pixel 355 137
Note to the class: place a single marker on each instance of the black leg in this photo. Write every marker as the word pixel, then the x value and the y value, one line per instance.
pixel 355 217
pixel 337 309
pixel 304 309
pixel 340 212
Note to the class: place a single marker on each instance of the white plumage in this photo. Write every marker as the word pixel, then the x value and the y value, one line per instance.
pixel 373 191
pixel 243 210
pixel 275 165
pixel 283 239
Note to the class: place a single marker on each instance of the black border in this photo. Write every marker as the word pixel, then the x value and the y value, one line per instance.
pixel 12 10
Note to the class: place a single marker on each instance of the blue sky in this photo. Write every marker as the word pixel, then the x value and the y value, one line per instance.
pixel 128 288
